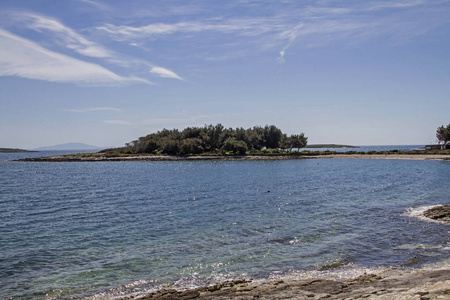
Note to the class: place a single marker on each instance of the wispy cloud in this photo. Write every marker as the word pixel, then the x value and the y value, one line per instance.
pixel 66 36
pixel 163 72
pixel 118 122
pixel 24 58
pixel 95 109
pixel 97 4
pixel 394 4
pixel 283 25
pixel 246 27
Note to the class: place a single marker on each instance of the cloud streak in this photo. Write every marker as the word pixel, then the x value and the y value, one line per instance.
pixel 284 25
pixel 23 58
pixel 245 27
pixel 66 36
pixel 95 109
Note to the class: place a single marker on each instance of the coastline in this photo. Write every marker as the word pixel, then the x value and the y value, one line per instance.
pixel 77 158
pixel 430 281
pixel 378 284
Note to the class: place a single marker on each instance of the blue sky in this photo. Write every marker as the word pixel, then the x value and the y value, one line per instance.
pixel 107 72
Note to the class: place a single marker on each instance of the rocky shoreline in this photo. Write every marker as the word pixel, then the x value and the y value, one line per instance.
pixel 426 283
pixel 83 158
pixel 411 284
pixel 431 282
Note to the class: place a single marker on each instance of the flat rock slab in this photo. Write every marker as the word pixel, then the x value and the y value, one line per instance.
pixel 415 284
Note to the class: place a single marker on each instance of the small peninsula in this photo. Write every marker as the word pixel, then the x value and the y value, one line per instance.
pixel 13 150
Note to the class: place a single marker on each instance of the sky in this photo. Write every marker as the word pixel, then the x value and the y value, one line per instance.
pixel 105 73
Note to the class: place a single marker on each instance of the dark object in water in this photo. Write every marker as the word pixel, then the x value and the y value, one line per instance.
pixel 439 213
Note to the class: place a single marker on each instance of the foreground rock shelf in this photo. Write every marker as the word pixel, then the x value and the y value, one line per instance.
pixel 393 284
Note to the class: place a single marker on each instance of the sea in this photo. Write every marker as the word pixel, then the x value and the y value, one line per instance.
pixel 100 230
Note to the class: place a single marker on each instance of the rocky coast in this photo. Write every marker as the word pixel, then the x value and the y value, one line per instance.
pixel 393 284
pixel 426 283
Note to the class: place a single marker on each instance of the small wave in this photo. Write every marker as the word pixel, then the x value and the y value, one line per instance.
pixel 341 271
pixel 417 246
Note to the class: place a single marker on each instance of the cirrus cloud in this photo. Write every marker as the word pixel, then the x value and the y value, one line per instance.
pixel 23 58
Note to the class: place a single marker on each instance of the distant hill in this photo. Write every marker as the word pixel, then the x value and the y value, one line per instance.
pixel 69 146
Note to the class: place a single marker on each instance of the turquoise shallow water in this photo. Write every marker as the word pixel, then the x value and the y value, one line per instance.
pixel 80 229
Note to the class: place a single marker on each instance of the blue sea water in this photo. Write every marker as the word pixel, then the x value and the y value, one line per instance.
pixel 72 230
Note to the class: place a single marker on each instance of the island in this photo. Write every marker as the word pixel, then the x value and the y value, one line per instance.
pixel 215 142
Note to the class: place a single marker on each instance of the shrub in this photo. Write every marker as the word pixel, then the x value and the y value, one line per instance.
pixel 234 146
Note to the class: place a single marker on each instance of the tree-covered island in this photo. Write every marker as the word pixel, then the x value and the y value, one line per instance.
pixel 213 140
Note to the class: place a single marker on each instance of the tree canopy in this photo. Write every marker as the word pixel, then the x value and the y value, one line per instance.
pixel 443 134
pixel 214 139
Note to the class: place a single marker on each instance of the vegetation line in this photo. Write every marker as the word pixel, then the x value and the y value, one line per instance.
pixel 212 140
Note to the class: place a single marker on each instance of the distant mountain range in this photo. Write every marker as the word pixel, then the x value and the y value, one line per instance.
pixel 69 146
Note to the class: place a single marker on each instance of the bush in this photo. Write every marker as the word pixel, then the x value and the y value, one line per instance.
pixel 191 146
pixel 234 146
pixel 171 147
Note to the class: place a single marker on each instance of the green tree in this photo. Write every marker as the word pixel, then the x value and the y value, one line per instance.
pixel 272 137
pixel 191 146
pixel 170 146
pixel 297 141
pixel 214 132
pixel 443 134
pixel 235 146
pixel 226 134
pixel 256 137
pixel 151 146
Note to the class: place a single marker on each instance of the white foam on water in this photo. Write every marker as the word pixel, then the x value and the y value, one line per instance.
pixel 349 271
